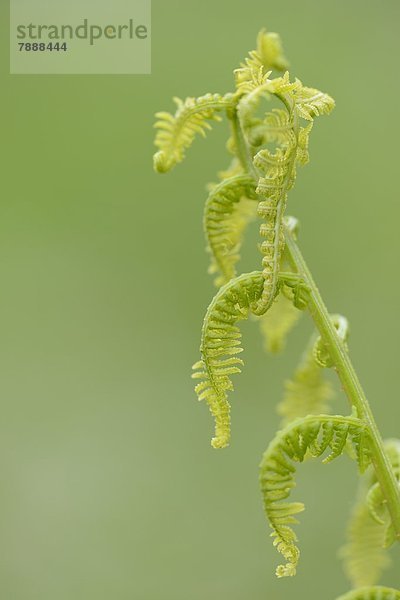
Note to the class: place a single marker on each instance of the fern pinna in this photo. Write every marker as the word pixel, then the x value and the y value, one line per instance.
pixel 267 147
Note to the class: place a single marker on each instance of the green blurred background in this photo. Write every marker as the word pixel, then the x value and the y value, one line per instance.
pixel 109 486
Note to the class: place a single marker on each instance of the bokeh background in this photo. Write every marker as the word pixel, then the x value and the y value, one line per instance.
pixel 109 487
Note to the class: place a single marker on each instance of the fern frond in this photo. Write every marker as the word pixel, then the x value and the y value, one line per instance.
pixel 312 103
pixel 365 553
pixel 279 170
pixel 279 167
pixel 372 593
pixel 225 218
pixel 176 132
pixel 220 343
pixel 268 55
pixel 312 435
pixel 277 323
pixel 308 392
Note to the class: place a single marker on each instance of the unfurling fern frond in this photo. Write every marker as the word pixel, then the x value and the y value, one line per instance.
pixel 308 392
pixel 225 217
pixel 277 323
pixel 220 343
pixel 176 132
pixel 372 593
pixel 279 173
pixel 312 103
pixel 268 55
pixel 279 167
pixel 311 436
pixel 365 553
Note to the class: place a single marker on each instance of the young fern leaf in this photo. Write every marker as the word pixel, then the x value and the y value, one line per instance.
pixel 268 55
pixel 310 436
pixel 365 554
pixel 312 103
pixel 220 343
pixel 177 132
pixel 279 176
pixel 279 167
pixel 308 392
pixel 372 593
pixel 225 217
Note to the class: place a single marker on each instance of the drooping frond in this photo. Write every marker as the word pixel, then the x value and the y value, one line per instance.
pixel 225 217
pixel 372 593
pixel 176 132
pixel 365 554
pixel 268 55
pixel 220 343
pixel 277 323
pixel 308 392
pixel 311 436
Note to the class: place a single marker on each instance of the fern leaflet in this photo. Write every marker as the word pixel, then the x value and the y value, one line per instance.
pixel 225 217
pixel 365 555
pixel 176 132
pixel 312 435
pixel 220 343
pixel 268 55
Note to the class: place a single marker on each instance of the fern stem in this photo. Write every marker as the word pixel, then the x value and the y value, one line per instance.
pixel 349 380
pixel 242 146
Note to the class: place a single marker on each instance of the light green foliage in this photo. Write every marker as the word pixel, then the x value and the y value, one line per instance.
pixel 267 148
pixel 177 132
pixel 220 344
pixel 313 435
pixel 372 593
pixel 269 55
pixel 308 392
pixel 226 215
pixel 365 554
pixel 273 174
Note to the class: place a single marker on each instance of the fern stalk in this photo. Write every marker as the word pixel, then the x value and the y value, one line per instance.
pixel 350 382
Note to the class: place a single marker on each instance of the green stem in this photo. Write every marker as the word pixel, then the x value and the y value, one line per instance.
pixel 242 146
pixel 350 382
